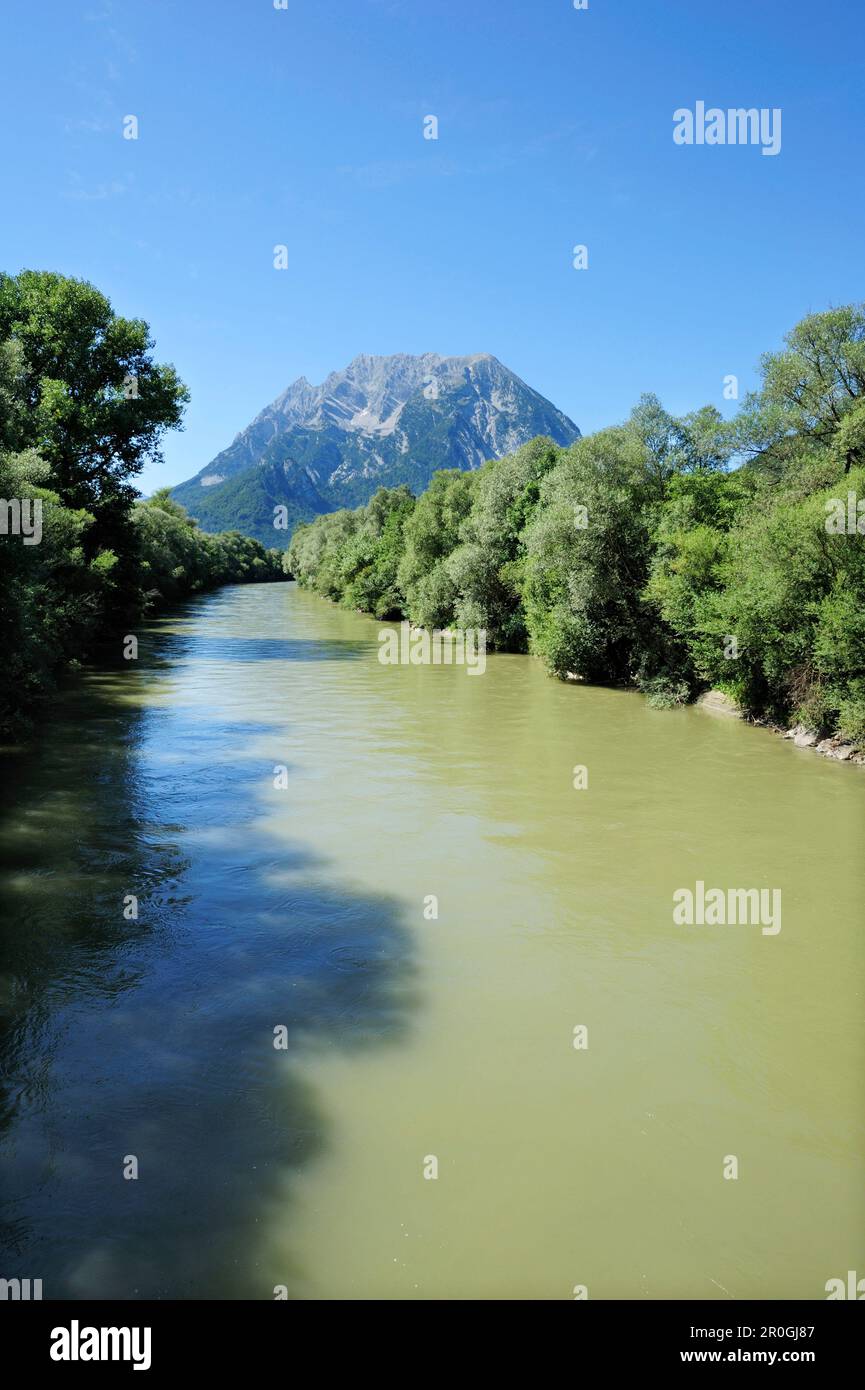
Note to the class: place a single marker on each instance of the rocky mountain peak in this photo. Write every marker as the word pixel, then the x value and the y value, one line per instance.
pixel 379 421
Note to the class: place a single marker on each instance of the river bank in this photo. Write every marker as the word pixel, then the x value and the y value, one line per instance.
pixel 838 749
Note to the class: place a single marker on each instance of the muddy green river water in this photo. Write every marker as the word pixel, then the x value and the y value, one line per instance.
pixel 337 1043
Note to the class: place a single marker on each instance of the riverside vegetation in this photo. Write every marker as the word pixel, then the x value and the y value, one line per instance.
pixel 82 405
pixel 669 553
pixel 641 554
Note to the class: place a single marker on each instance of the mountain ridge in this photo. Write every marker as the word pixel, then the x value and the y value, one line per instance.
pixel 381 421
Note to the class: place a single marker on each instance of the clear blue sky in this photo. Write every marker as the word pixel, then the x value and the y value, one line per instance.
pixel 304 126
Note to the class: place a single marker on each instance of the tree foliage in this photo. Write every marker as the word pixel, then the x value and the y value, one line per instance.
pixel 83 405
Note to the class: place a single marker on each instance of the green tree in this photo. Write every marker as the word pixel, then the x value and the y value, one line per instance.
pixel 82 405
pixel 587 559
pixel 94 402
pixel 808 389
pixel 432 532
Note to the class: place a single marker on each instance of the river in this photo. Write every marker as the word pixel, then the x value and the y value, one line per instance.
pixel 290 1037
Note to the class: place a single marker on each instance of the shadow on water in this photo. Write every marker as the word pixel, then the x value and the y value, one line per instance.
pixel 155 1037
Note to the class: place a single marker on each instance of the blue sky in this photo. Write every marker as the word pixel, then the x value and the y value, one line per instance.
pixel 304 127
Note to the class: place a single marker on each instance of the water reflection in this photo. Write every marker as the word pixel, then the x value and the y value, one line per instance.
pixel 154 1037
